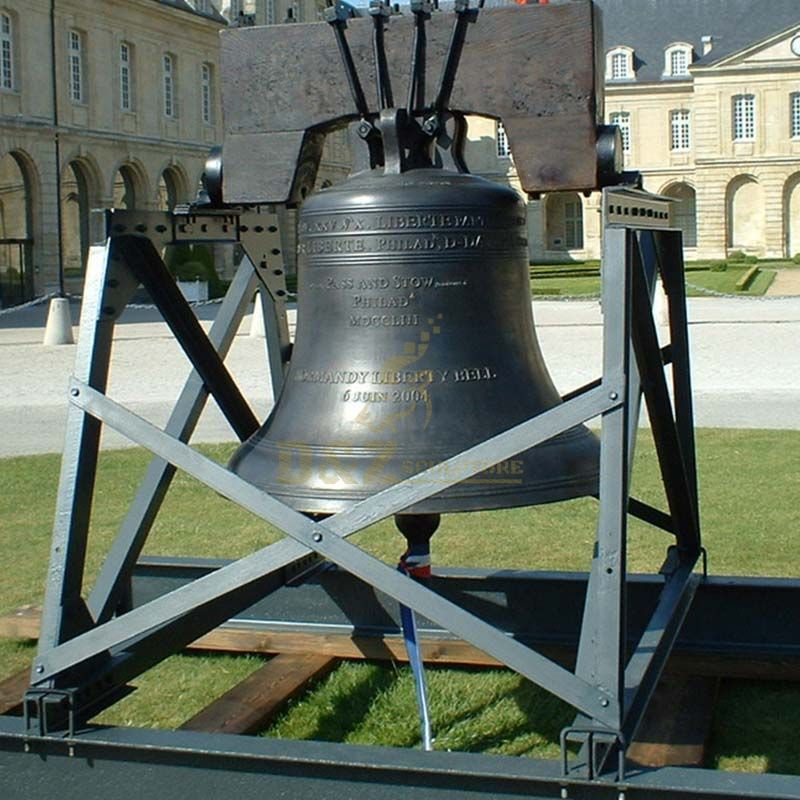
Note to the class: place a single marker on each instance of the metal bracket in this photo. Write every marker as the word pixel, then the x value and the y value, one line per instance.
pixel 597 745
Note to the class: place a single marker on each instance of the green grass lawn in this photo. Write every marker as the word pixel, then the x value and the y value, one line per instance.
pixel 583 279
pixel 749 483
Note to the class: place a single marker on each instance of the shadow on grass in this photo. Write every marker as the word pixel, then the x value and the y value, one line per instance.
pixel 346 711
pixel 535 722
pixel 756 727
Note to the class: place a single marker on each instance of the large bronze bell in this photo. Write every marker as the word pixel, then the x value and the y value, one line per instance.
pixel 414 340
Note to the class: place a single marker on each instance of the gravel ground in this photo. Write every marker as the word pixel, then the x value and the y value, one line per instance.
pixel 746 367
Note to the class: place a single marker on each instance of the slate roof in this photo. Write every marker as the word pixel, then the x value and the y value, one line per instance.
pixel 213 14
pixel 648 26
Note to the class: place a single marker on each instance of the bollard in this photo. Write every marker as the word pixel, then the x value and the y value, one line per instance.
pixel 257 329
pixel 59 323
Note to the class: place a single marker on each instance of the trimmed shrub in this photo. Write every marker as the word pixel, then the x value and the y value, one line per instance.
pixel 751 259
pixel 736 255
pixel 796 258
pixel 718 266
pixel 194 263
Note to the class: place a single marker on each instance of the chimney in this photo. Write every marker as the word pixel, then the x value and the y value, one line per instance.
pixel 708 43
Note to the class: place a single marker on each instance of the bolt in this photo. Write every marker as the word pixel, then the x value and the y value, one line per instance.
pixel 317 537
pixel 430 126
pixel 604 702
pixel 613 396
pixel 74 392
pixel 39 669
pixel 364 129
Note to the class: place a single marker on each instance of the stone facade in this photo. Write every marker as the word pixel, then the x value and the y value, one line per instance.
pixel 722 135
pixel 137 106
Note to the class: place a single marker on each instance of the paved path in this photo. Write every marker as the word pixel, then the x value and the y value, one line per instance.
pixel 746 367
pixel 787 282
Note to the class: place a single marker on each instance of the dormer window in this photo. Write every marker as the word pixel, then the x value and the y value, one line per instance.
pixel 677 58
pixel 619 64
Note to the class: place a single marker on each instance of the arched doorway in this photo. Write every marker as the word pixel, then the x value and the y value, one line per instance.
pixel 564 221
pixel 76 205
pixel 126 188
pixel 685 211
pixel 16 224
pixel 171 189
pixel 793 216
pixel 745 208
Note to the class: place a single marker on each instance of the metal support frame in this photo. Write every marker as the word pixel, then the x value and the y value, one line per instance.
pixel 86 654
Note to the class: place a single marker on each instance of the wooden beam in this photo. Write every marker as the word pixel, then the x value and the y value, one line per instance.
pixel 11 691
pixel 252 704
pixel 24 624
pixel 677 725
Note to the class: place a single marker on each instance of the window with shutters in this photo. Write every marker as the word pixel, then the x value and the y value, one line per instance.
pixel 573 224
pixel 744 118
pixel 6 52
pixel 619 64
pixel 207 93
pixel 125 76
pixel 794 114
pixel 170 108
pixel 677 58
pixel 75 59
pixel 622 119
pixel 680 131
pixel 503 149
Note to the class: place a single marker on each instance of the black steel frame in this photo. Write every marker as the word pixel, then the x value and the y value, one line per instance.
pixel 89 648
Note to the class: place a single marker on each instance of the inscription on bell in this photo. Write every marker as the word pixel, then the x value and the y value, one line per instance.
pixel 384 320
pixel 392 301
pixel 389 222
pixel 336 245
pixel 427 377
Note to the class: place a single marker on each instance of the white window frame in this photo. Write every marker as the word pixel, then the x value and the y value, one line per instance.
pixel 794 115
pixel 743 117
pixel 126 76
pixel 680 130
pixel 7 71
pixel 76 71
pixel 501 137
pixel 168 86
pixel 619 64
pixel 207 93
pixel 674 52
pixel 622 119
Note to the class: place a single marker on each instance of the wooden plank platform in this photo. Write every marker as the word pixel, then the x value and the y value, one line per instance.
pixel 674 732
pixel 677 725
pixel 252 704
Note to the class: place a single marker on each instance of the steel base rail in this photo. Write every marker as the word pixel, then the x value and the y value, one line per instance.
pixel 128 763
pixel 86 657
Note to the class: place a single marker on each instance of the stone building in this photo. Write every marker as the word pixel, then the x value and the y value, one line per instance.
pixel 136 112
pixel 707 95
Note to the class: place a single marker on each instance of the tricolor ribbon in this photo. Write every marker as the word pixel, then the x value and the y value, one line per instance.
pixel 416 563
